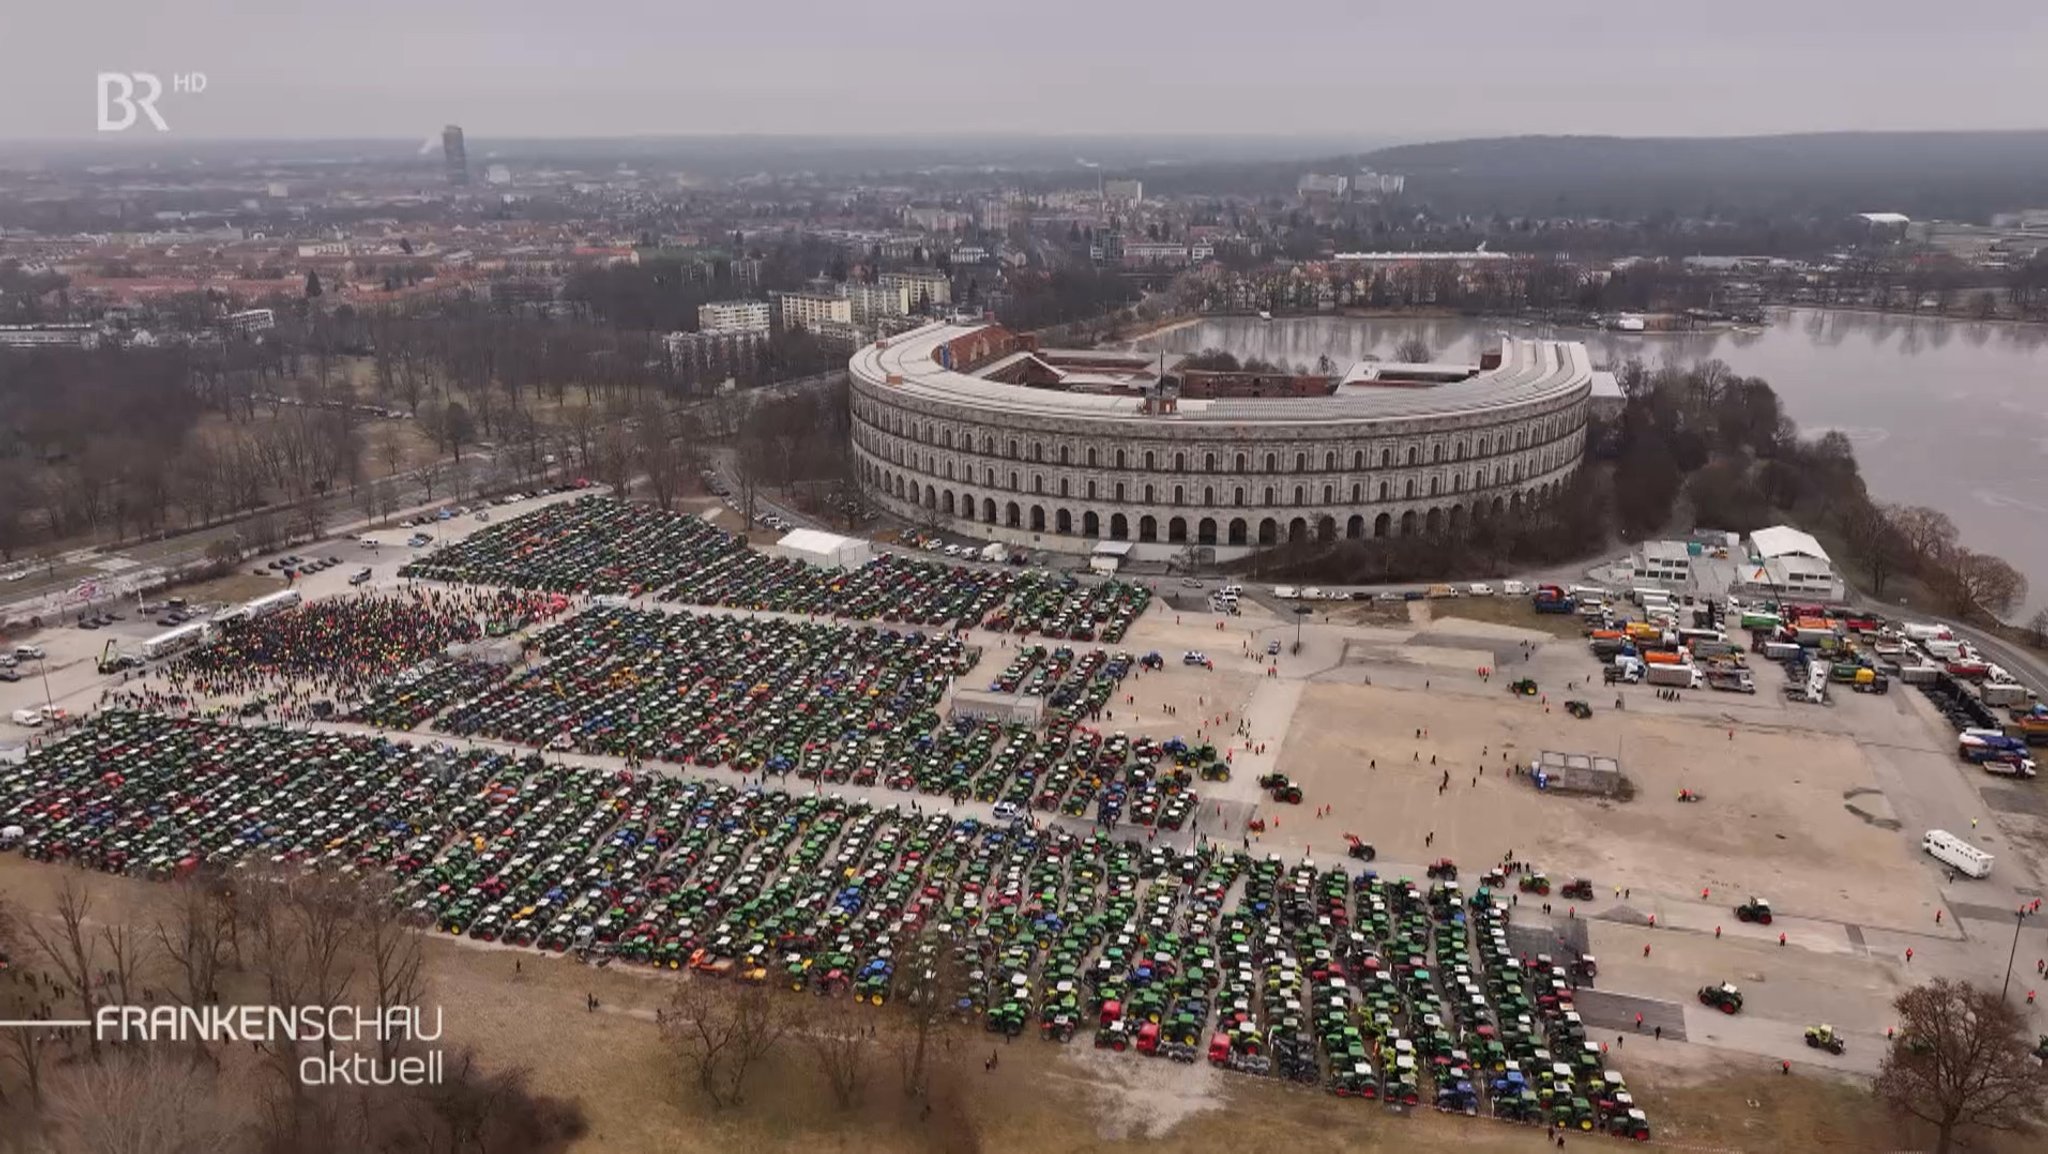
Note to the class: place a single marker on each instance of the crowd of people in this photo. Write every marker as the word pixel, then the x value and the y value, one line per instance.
pixel 340 646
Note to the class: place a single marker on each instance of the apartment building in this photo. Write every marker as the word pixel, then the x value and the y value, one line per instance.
pixel 813 310
pixel 733 316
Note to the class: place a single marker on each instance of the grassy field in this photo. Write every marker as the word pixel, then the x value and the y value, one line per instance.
pixel 1508 611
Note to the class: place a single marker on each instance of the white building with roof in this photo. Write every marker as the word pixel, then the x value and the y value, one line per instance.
pixel 1790 563
pixel 825 550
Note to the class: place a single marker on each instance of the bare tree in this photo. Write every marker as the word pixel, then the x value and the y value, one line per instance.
pixel 1979 583
pixel 721 1033
pixel 1928 533
pixel 1413 351
pixel 195 940
pixel 71 949
pixel 27 1049
pixel 840 1039
pixel 141 1102
pixel 934 976
pixel 1960 1062
pixel 394 955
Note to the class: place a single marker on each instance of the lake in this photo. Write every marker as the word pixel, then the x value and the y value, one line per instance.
pixel 1950 414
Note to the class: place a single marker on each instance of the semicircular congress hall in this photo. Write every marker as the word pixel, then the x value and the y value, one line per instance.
pixel 975 429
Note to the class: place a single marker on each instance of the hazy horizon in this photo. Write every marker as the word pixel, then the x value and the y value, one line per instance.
pixel 1322 71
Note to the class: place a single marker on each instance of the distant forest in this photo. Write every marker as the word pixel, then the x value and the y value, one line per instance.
pixel 1946 175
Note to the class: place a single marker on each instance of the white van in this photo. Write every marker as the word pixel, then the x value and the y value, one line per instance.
pixel 28 717
pixel 1951 850
pixel 1514 588
pixel 1480 589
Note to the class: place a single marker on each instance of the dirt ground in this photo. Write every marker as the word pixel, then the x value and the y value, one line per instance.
pixel 1774 820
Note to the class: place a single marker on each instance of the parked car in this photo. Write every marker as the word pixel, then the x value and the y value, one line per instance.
pixel 360 577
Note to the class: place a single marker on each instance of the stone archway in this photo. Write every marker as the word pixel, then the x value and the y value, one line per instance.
pixel 1119 528
pixel 1355 527
pixel 1382 525
pixel 1013 516
pixel 1408 523
pixel 1434 522
pixel 1326 529
pixel 1038 518
pixel 988 510
pixel 1091 525
pixel 1297 530
pixel 1238 534
pixel 1177 530
pixel 1269 531
pixel 1148 528
pixel 1205 531
pixel 1063 523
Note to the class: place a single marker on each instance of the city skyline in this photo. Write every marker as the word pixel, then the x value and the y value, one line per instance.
pixel 625 68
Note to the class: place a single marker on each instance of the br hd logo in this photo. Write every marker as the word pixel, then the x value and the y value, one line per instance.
pixel 124 96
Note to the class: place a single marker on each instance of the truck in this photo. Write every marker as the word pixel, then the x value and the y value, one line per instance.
pixel 1626 668
pixel 1782 650
pixel 1674 676
pixel 1953 851
pixel 1731 680
pixel 2007 765
pixel 1555 604
pixel 1982 744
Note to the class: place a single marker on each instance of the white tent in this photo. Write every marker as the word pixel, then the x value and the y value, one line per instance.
pixel 825 550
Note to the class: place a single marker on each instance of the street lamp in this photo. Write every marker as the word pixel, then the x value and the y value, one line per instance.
pixel 1300 611
pixel 2019 919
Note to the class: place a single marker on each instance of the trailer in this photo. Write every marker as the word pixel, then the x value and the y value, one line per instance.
pixel 175 640
pixel 1674 676
pixel 2004 694
pixel 1731 680
pixel 1951 850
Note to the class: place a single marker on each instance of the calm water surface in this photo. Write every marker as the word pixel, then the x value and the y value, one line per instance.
pixel 1952 414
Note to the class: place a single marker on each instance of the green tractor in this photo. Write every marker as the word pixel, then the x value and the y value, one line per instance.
pixel 1578 709
pixel 1825 1037
pixel 1724 997
pixel 1536 883
pixel 1281 788
pixel 1523 686
pixel 1216 771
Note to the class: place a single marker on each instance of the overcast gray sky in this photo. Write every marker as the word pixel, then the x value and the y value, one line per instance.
pixel 508 68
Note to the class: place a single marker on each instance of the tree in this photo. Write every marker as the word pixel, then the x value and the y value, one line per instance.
pixel 313 288
pixel 142 1102
pixel 71 948
pixel 1414 351
pixel 1928 533
pixel 1979 583
pixel 721 1033
pixel 1961 1061
pixel 1875 542
pixel 838 1036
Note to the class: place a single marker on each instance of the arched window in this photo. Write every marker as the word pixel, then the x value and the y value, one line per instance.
pixel 1238 497
pixel 1179 497
pixel 1148 460
pixel 1063 454
pixel 1386 458
pixel 1383 492
pixel 1270 460
pixel 1119 458
pixel 1209 462
pixel 1329 494
pixel 1410 488
pixel 1330 461
pixel 1091 456
pixel 1148 494
pixel 1013 448
pixel 1180 462
pixel 1411 454
pixel 1301 462
pixel 1269 494
pixel 1240 462
pixel 1119 490
pixel 1358 459
pixel 1208 495
pixel 1091 490
pixel 1297 494
pixel 1436 454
